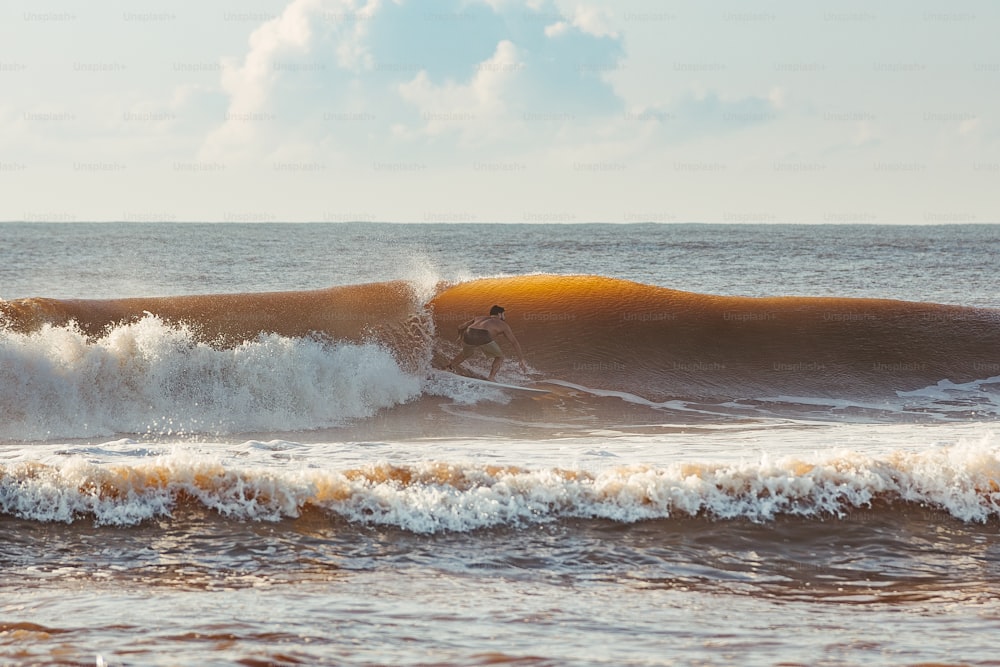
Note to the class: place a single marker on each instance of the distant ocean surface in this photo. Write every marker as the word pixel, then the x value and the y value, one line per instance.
pixel 761 444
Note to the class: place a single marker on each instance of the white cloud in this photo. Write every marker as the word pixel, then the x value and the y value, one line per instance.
pixel 360 70
pixel 249 84
pixel 352 52
pixel 473 109
pixel 593 21
pixel 556 29
pixel 588 20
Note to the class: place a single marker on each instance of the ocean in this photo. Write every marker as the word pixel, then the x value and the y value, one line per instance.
pixel 228 444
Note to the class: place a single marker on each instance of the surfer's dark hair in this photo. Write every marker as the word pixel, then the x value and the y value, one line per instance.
pixel 496 310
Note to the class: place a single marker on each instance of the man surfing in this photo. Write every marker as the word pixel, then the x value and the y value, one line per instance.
pixel 480 333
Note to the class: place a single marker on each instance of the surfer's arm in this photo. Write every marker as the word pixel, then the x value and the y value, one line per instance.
pixel 517 346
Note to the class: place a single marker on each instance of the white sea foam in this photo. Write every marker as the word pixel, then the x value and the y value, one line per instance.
pixel 945 400
pixel 149 377
pixel 946 389
pixel 463 391
pixel 430 497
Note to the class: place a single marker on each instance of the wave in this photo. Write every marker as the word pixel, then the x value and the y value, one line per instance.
pixel 151 377
pixel 311 359
pixel 661 343
pixel 448 497
pixel 389 312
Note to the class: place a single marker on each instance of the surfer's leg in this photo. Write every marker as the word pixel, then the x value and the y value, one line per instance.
pixel 467 351
pixel 455 363
pixel 491 349
pixel 496 366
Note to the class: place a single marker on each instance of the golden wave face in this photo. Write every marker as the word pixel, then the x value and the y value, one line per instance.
pixel 603 332
pixel 659 342
pixel 375 311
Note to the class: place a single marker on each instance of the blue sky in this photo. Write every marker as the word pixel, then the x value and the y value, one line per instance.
pixel 496 110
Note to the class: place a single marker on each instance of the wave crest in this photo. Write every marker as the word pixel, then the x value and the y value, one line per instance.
pixel 442 496
pixel 151 377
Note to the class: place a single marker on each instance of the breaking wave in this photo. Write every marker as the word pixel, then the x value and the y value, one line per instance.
pixel 962 481
pixel 240 363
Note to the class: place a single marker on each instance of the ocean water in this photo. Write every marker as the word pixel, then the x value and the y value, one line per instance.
pixel 228 444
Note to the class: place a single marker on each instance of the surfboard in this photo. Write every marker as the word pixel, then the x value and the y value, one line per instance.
pixel 490 383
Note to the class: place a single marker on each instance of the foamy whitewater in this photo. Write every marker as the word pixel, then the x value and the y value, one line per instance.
pixel 228 444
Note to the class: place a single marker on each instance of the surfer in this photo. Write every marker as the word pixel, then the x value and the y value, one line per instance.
pixel 480 333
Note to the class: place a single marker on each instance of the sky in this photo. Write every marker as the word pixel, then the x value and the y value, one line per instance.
pixel 500 111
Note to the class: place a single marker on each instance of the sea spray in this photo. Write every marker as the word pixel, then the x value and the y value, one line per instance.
pixel 152 377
